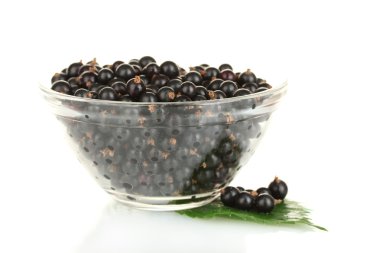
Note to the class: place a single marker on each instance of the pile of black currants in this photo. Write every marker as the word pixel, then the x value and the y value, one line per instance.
pixel 263 200
pixel 143 80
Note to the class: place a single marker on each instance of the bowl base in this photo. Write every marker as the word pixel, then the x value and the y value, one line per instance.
pixel 164 203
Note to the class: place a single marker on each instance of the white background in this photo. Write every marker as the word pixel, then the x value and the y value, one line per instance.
pixel 323 141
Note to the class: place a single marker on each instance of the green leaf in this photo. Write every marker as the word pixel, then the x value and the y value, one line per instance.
pixel 286 213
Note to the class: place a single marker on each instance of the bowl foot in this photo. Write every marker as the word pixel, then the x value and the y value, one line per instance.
pixel 164 203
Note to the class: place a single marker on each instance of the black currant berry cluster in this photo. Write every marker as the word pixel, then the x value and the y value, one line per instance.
pixel 143 80
pixel 262 200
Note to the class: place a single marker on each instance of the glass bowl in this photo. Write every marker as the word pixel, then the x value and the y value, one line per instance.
pixel 164 156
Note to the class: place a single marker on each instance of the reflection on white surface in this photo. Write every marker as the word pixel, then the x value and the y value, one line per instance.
pixel 123 229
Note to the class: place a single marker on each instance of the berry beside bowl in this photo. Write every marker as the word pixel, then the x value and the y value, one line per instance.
pixel 158 137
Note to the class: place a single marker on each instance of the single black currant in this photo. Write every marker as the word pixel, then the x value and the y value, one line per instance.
pixel 105 75
pixel 228 195
pixel 62 86
pixel 215 84
pixel 225 66
pixel 228 87
pixel 135 87
pixel 73 69
pixel 264 203
pixel 74 83
pixel 169 69
pixel 182 98
pixel 260 89
pixel 200 90
pixel 126 98
pixel 115 65
pixel 175 84
pixel 125 71
pixel 151 69
pixel 266 85
pixel 80 92
pixel 244 201
pixel 144 61
pixel 108 93
pixel 241 92
pixel 188 89
pixel 199 98
pixel 246 77
pixel 166 94
pixel 159 80
pixel 250 86
pixel 262 190
pixel 211 73
pixel 216 94
pixel 58 76
pixel 120 88
pixel 87 79
pixel 148 97
pixel 278 189
pixel 194 77
pixel 227 74
pixel 240 188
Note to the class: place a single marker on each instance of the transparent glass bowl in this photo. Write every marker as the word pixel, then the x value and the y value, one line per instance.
pixel 164 156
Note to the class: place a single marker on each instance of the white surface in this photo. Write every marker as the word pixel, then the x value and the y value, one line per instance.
pixel 323 141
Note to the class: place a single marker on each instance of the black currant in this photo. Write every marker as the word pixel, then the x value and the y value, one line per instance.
pixel 182 98
pixel 58 76
pixel 216 94
pixel 228 87
pixel 200 90
pixel 74 83
pixel 264 203
pixel 144 61
pixel 227 74
pixel 188 89
pixel 115 65
pixel 244 201
pixel 260 89
pixel 266 85
pixel 194 77
pixel 241 92
pixel 126 98
pixel 262 190
pixel 135 87
pixel 225 66
pixel 62 86
pixel 228 196
pixel 199 98
pixel 250 86
pixel 134 62
pixel 166 94
pixel 73 69
pixel 87 79
pixel 169 69
pixel 211 73
pixel 80 92
pixel 108 93
pixel 215 84
pixel 278 188
pixel 159 80
pixel 246 77
pixel 125 71
pixel 151 69
pixel 240 188
pixel 120 88
pixel 148 97
pixel 105 75
pixel 175 84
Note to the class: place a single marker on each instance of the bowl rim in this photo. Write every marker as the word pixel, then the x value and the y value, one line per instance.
pixel 51 93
